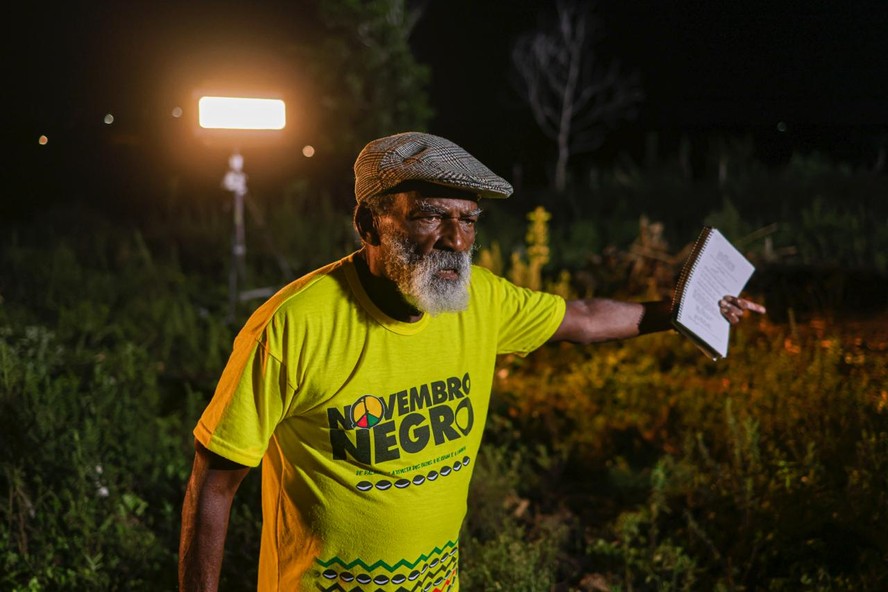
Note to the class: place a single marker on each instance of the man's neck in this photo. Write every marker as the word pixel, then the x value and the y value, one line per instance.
pixel 384 293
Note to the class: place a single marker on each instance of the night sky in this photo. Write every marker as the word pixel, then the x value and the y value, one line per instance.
pixel 803 75
pixel 820 68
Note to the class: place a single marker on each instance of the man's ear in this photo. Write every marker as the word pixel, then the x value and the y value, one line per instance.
pixel 366 225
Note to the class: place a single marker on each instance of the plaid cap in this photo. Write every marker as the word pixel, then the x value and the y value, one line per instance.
pixel 388 162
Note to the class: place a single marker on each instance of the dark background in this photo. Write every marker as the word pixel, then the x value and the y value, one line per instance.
pixel 793 76
pixel 821 68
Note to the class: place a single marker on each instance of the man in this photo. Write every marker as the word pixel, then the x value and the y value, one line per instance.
pixel 363 387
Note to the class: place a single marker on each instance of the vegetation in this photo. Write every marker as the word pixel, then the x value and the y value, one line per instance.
pixel 673 473
pixel 628 466
pixel 644 466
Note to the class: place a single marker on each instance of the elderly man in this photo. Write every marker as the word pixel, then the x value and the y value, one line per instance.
pixel 363 387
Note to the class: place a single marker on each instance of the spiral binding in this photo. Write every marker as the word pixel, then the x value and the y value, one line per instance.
pixel 687 269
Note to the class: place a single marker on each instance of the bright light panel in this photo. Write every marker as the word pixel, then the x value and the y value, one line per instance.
pixel 241 113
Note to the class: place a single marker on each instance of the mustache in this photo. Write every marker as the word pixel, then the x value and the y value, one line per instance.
pixel 439 258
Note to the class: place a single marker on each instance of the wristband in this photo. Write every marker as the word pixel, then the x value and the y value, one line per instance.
pixel 657 316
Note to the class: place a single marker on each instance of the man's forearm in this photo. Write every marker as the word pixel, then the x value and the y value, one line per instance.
pixel 602 319
pixel 205 514
pixel 202 542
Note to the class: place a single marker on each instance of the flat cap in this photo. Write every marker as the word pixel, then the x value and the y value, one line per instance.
pixel 389 162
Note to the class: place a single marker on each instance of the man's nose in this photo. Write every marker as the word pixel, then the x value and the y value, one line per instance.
pixel 454 235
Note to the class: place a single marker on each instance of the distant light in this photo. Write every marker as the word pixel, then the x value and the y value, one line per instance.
pixel 308 151
pixel 42 140
pixel 241 113
pixel 109 119
pixel 177 112
pixel 781 126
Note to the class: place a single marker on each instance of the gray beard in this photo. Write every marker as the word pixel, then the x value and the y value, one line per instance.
pixel 415 275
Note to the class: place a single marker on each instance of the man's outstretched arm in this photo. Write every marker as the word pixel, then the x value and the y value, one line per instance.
pixel 208 496
pixel 600 319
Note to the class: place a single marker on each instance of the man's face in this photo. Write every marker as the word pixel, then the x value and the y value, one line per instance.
pixel 426 244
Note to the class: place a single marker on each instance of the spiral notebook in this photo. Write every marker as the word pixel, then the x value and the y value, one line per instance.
pixel 714 268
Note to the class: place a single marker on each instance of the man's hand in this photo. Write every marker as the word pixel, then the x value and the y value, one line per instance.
pixel 733 308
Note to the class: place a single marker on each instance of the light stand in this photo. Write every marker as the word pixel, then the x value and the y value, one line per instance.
pixel 235 181
pixel 234 116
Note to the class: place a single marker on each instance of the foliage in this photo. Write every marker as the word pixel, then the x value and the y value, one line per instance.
pixel 628 466
pixel 529 272
pixel 499 548
pixel 107 355
pixel 737 476
pixel 839 237
pixel 810 213
pixel 731 477
pixel 84 496
pixel 295 233
pixel 358 58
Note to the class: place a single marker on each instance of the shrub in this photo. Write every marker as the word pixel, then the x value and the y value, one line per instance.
pixel 79 446
pixel 744 474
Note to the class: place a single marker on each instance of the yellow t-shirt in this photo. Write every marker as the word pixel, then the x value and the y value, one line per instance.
pixel 367 427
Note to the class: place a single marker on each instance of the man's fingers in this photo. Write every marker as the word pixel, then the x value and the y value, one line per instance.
pixel 729 311
pixel 732 308
pixel 753 306
pixel 744 304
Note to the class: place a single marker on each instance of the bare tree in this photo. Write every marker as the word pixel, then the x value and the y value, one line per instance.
pixel 575 97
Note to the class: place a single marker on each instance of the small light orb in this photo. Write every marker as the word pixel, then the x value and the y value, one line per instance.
pixel 42 140
pixel 109 119
pixel 308 151
pixel 781 126
pixel 177 112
